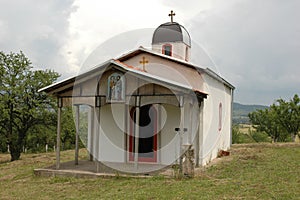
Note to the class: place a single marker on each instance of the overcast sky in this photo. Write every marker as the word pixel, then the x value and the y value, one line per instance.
pixel 254 44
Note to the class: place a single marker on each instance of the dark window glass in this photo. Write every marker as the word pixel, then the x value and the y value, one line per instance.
pixel 167 50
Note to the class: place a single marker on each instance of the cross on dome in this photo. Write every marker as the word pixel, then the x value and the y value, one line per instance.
pixel 171 15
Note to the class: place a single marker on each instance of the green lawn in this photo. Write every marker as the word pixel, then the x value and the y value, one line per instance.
pixel 257 171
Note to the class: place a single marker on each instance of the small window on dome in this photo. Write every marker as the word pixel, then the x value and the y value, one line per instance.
pixel 167 49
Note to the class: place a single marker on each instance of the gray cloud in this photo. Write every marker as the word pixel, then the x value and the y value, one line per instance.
pixel 38 28
pixel 256 46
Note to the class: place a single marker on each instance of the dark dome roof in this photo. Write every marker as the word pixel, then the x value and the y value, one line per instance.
pixel 171 32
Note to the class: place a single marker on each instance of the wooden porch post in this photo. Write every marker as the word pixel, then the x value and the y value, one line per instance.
pixel 59 103
pixel 197 138
pixel 91 131
pixel 181 132
pixel 201 156
pixel 190 129
pixel 137 132
pixel 77 107
pixel 96 134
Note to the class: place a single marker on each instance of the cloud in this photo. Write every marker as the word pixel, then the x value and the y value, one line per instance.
pixel 256 46
pixel 38 28
pixel 185 10
pixel 94 23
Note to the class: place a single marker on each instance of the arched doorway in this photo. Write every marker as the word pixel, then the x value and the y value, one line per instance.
pixel 147 151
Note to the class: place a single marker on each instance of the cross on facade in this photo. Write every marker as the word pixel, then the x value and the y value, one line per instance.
pixel 144 61
pixel 171 15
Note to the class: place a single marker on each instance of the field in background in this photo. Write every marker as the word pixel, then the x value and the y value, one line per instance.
pixel 252 171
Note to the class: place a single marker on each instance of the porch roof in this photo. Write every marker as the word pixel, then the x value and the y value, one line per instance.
pixel 99 69
pixel 206 70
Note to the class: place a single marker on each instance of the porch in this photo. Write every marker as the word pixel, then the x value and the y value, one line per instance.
pixel 91 169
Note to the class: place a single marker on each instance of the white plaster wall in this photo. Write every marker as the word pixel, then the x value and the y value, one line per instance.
pixel 169 70
pixel 169 143
pixel 191 121
pixel 213 139
pixel 89 87
pixel 111 140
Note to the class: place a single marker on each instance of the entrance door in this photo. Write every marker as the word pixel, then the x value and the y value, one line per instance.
pixel 147 151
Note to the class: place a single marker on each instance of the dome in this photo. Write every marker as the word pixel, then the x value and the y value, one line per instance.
pixel 171 32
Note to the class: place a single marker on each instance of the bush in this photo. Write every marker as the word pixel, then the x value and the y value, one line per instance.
pixel 258 136
pixel 238 137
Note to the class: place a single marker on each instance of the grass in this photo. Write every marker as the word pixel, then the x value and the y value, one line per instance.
pixel 253 171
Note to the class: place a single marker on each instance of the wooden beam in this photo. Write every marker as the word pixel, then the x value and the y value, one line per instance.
pixel 96 148
pixel 197 138
pixel 191 119
pixel 181 132
pixel 137 132
pixel 201 130
pixel 91 132
pixel 77 110
pixel 58 138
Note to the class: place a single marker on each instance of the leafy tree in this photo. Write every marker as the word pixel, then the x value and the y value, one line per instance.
pixel 68 129
pixel 266 121
pixel 39 136
pixel 288 114
pixel 258 136
pixel 22 106
pixel 279 120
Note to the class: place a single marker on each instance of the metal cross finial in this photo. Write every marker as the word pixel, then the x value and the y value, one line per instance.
pixel 171 15
pixel 144 61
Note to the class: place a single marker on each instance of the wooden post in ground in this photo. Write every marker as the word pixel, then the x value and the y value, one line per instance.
pixel 96 135
pixel 77 133
pixel 58 133
pixel 91 132
pixel 201 130
pixel 137 132
pixel 181 131
pixel 197 138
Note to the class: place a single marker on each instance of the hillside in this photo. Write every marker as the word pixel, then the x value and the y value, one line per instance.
pixel 241 111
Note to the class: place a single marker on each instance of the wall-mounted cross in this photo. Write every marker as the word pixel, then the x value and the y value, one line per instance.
pixel 171 15
pixel 144 62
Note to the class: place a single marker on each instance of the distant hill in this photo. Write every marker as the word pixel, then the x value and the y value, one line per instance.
pixel 240 112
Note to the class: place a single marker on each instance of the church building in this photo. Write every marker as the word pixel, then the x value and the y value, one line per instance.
pixel 149 106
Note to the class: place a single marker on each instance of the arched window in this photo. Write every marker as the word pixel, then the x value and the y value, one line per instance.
pixel 167 49
pixel 220 116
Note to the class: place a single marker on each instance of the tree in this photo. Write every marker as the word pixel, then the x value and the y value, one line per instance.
pixel 279 120
pixel 288 114
pixel 68 129
pixel 266 121
pixel 22 106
